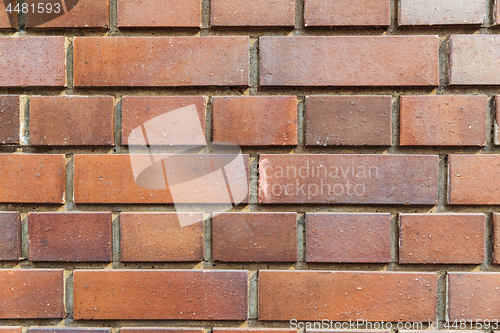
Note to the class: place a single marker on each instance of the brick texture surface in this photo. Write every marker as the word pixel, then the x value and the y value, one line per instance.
pixel 10 237
pixel 347 13
pixel 9 119
pixel 153 13
pixel 8 20
pixel 430 12
pixel 253 13
pixel 496 238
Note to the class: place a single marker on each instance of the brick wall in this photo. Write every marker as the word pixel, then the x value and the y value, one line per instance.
pixel 366 188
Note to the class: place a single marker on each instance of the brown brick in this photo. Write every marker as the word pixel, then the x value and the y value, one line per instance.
pixel 441 238
pixel 473 179
pixel 339 237
pixel 72 14
pixel 254 237
pixel 473 296
pixel 473 60
pixel 153 13
pixel 32 62
pixel 347 12
pixel 32 178
pixel 443 120
pixel 161 330
pixel 160 294
pixel 343 296
pixel 255 120
pixel 9 119
pixel 430 12
pixel 8 20
pixel 71 121
pixel 348 120
pixel 252 13
pixel 152 112
pixel 31 293
pixel 349 61
pixel 110 178
pixel 10 237
pixel 161 61
pixel 353 179
pixel 496 238
pixel 161 236
pixel 70 236
pixel 67 330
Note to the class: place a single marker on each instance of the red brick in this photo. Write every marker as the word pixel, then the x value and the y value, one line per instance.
pixel 347 12
pixel 32 62
pixel 252 13
pixel 430 12
pixel 343 296
pixel 71 121
pixel 441 238
pixel 353 179
pixel 253 330
pixel 153 13
pixel 161 61
pixel 32 178
pixel 255 120
pixel 161 236
pixel 152 112
pixel 72 14
pixel 473 60
pixel 496 238
pixel 161 294
pixel 68 330
pixel 9 119
pixel 8 20
pixel 349 61
pixel 10 237
pixel 161 330
pixel 348 120
pixel 110 178
pixel 339 237
pixel 473 296
pixel 254 237
pixel 473 179
pixel 443 120
pixel 31 293
pixel 70 236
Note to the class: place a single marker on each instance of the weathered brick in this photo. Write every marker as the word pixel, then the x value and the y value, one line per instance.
pixel 135 179
pixel 348 237
pixel 31 293
pixel 161 294
pixel 254 237
pixel 32 62
pixel 255 120
pixel 473 296
pixel 71 14
pixel 473 60
pixel 341 296
pixel 441 238
pixel 161 61
pixel 253 330
pixel 252 13
pixel 71 120
pixel 347 13
pixel 70 236
pixel 430 12
pixel 348 120
pixel 349 61
pixel 161 330
pixel 68 330
pixel 9 119
pixel 473 179
pixel 162 127
pixel 10 236
pixel 32 178
pixel 153 13
pixel 496 238
pixel 8 20
pixel 353 179
pixel 161 236
pixel 443 120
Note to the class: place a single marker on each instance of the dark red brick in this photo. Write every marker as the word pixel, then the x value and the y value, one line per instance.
pixel 255 120
pixel 349 61
pixel 71 121
pixel 31 293
pixel 9 119
pixel 344 296
pixel 161 61
pixel 347 12
pixel 254 237
pixel 153 13
pixel 10 237
pixel 431 12
pixel 160 294
pixel 161 236
pixel 441 238
pixel 348 237
pixel 253 13
pixel 348 120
